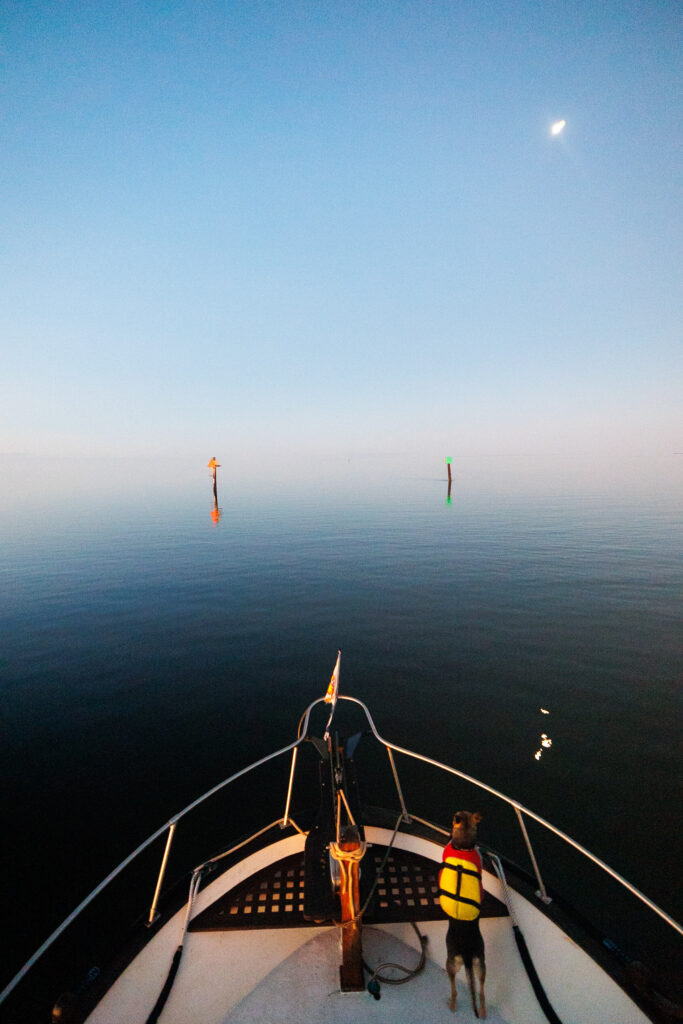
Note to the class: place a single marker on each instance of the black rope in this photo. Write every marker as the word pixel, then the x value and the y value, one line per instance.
pixel 529 967
pixel 410 973
pixel 168 985
pixel 539 991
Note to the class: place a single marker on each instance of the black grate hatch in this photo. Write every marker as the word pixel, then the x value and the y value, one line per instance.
pixel 407 890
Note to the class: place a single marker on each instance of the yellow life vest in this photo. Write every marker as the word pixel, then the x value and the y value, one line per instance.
pixel 460 889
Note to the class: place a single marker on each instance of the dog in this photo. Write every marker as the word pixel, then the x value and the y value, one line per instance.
pixel 461 893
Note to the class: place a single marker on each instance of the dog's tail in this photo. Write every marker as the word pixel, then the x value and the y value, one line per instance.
pixel 470 982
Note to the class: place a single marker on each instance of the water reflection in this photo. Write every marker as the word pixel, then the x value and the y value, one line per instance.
pixel 216 512
pixel 545 741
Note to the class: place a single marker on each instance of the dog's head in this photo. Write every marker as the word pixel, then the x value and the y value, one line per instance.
pixel 464 834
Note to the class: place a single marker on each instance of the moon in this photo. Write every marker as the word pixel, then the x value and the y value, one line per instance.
pixel 557 128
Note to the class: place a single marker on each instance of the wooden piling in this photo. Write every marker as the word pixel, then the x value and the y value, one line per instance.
pixel 351 969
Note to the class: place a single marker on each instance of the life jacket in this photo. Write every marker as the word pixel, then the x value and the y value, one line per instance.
pixel 460 890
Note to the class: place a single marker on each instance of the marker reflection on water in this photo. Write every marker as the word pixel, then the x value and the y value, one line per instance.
pixel 545 741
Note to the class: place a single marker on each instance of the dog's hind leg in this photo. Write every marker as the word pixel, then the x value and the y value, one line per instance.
pixel 480 969
pixel 470 985
pixel 453 965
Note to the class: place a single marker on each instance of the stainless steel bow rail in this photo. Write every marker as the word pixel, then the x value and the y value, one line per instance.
pixel 170 828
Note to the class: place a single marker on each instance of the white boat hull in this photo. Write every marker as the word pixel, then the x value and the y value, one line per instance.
pixel 291 974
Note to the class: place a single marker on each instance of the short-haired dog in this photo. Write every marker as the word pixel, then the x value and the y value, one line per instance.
pixel 460 895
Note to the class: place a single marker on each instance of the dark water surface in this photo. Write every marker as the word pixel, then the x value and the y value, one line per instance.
pixel 147 653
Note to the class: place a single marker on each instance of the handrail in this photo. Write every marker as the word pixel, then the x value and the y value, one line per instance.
pixel 302 736
pixel 143 846
pixel 164 861
pixel 524 810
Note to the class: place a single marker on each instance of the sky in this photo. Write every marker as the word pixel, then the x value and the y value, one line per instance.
pixel 325 228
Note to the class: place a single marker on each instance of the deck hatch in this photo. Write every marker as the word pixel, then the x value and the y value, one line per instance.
pixel 407 890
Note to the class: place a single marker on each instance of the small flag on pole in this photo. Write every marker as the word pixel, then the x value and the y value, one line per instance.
pixel 331 695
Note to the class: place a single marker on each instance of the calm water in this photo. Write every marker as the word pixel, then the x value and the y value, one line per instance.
pixel 147 653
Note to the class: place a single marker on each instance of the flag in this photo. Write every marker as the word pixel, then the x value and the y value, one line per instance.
pixel 331 695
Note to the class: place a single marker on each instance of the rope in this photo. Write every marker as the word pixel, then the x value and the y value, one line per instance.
pixel 194 889
pixel 341 795
pixel 380 869
pixel 410 973
pixel 346 859
pixel 375 976
pixel 175 963
pixel 378 873
pixel 524 953
pixel 498 868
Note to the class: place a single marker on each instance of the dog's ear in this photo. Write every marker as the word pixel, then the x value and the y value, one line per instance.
pixel 476 818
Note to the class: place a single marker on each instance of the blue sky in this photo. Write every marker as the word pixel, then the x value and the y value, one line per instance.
pixel 340 227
